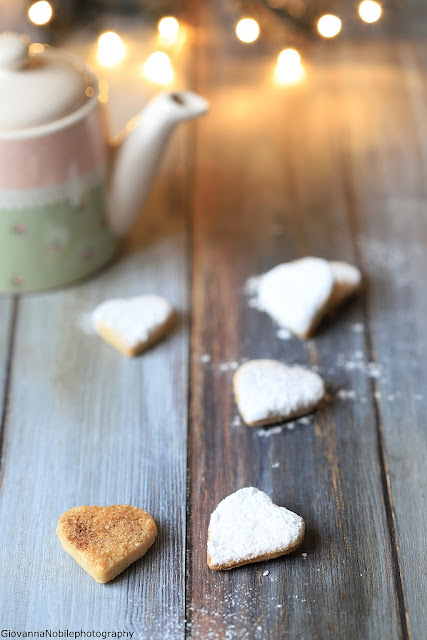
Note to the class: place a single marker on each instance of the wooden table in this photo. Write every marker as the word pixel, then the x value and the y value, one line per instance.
pixel 334 166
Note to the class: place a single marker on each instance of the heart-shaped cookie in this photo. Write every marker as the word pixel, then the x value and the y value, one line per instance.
pixel 248 527
pixel 131 325
pixel 267 391
pixel 296 294
pixel 106 540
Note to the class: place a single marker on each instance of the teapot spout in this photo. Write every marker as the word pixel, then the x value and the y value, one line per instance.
pixel 137 156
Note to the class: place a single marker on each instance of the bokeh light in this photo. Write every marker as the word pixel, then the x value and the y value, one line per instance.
pixel 158 68
pixel 329 26
pixel 370 11
pixel 247 30
pixel 288 68
pixel 111 49
pixel 36 47
pixel 40 12
pixel 168 28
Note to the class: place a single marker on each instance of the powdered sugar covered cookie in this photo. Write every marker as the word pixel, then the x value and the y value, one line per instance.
pixel 248 527
pixel 296 294
pixel 268 391
pixel 131 325
pixel 347 281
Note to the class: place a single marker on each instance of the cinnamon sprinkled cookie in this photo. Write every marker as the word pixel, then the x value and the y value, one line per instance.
pixel 106 540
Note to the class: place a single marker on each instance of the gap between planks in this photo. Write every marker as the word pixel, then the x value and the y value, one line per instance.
pixel 8 372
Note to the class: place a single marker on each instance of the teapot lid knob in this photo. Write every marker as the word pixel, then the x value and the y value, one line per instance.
pixel 13 50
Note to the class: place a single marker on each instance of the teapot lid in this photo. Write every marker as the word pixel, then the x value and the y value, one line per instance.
pixel 39 85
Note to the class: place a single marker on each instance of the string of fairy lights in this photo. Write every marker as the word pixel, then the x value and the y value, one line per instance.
pixel 158 68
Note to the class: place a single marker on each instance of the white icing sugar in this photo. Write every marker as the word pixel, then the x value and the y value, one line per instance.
pixel 133 319
pixel 84 322
pixel 247 524
pixel 268 391
pixel 294 294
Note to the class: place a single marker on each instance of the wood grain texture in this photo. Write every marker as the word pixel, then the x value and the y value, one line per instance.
pixel 387 195
pixel 90 426
pixel 274 188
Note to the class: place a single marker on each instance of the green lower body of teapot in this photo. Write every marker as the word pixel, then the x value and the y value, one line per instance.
pixel 51 245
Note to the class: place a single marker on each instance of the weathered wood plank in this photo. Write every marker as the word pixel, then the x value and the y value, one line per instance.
pixel 271 190
pixel 388 196
pixel 90 426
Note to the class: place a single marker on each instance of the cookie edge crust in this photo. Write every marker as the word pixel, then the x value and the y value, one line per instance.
pixel 342 291
pixel 262 558
pixel 96 572
pixel 276 418
pixel 114 339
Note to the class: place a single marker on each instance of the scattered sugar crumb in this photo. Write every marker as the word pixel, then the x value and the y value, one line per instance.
pixel 377 394
pixel 266 573
pixel 279 606
pixel 229 366
pixel 357 327
pixel 275 465
pixel 350 365
pixel 304 555
pixel 284 334
pixel 290 426
pixel 84 322
pixel 346 394
pixel 205 357
pixel 269 431
pixel 358 354
pixel 236 422
pixel 391 397
pixel 373 370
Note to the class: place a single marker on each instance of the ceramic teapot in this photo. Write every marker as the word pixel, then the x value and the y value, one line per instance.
pixel 66 193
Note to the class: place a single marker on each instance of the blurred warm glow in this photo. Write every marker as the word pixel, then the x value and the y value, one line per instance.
pixel 36 47
pixel 168 28
pixel 158 68
pixel 289 68
pixel 370 11
pixel 40 12
pixel 103 90
pixel 329 26
pixel 247 30
pixel 111 49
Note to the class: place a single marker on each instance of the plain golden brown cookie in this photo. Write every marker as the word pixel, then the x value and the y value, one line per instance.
pixel 106 540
